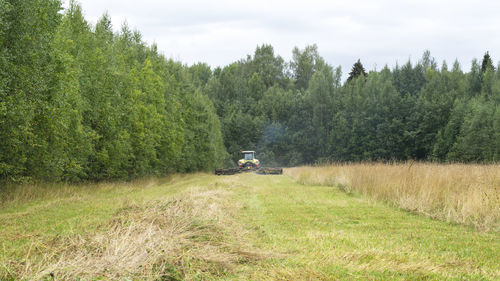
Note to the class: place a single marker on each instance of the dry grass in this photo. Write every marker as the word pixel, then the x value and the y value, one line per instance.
pixel 466 194
pixel 12 195
pixel 185 237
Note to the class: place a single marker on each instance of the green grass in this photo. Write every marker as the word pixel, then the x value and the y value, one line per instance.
pixel 325 233
pixel 268 228
pixel 31 223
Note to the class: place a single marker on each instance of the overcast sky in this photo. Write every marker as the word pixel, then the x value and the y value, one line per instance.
pixel 219 32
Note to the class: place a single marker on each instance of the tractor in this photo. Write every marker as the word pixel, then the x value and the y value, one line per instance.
pixel 248 162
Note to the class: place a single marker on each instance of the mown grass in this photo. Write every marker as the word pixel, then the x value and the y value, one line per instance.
pixel 323 233
pixel 242 227
pixel 466 194
pixel 33 217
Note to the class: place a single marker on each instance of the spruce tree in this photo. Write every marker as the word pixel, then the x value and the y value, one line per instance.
pixel 357 70
pixel 487 63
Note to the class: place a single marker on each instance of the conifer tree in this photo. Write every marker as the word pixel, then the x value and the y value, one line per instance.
pixel 487 63
pixel 356 71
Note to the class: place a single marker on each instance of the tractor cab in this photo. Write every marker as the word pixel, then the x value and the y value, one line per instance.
pixel 248 161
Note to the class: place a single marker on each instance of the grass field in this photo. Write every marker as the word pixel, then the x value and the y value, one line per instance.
pixel 462 193
pixel 241 227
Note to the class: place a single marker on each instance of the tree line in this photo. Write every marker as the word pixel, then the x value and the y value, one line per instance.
pixel 300 112
pixel 81 102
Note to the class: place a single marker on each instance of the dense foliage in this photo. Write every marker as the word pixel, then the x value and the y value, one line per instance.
pixel 300 112
pixel 81 102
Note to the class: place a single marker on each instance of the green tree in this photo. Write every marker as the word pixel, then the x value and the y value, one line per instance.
pixel 356 71
pixel 201 73
pixel 474 78
pixel 27 87
pixel 409 79
pixel 447 136
pixel 487 63
pixel 267 65
pixel 304 63
pixel 319 100
pixel 476 140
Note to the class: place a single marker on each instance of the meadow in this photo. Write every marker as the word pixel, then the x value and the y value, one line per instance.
pixel 240 227
pixel 462 193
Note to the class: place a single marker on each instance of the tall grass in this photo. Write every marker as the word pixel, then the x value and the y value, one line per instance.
pixel 466 194
pixel 13 194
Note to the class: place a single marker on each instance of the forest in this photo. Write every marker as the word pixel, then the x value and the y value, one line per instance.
pixel 82 102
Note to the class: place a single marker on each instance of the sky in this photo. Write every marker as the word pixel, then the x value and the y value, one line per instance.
pixel 379 33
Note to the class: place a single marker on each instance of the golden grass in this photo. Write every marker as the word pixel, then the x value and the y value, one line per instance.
pixel 461 193
pixel 11 194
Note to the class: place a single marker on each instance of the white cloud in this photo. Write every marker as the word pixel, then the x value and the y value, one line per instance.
pixel 378 32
